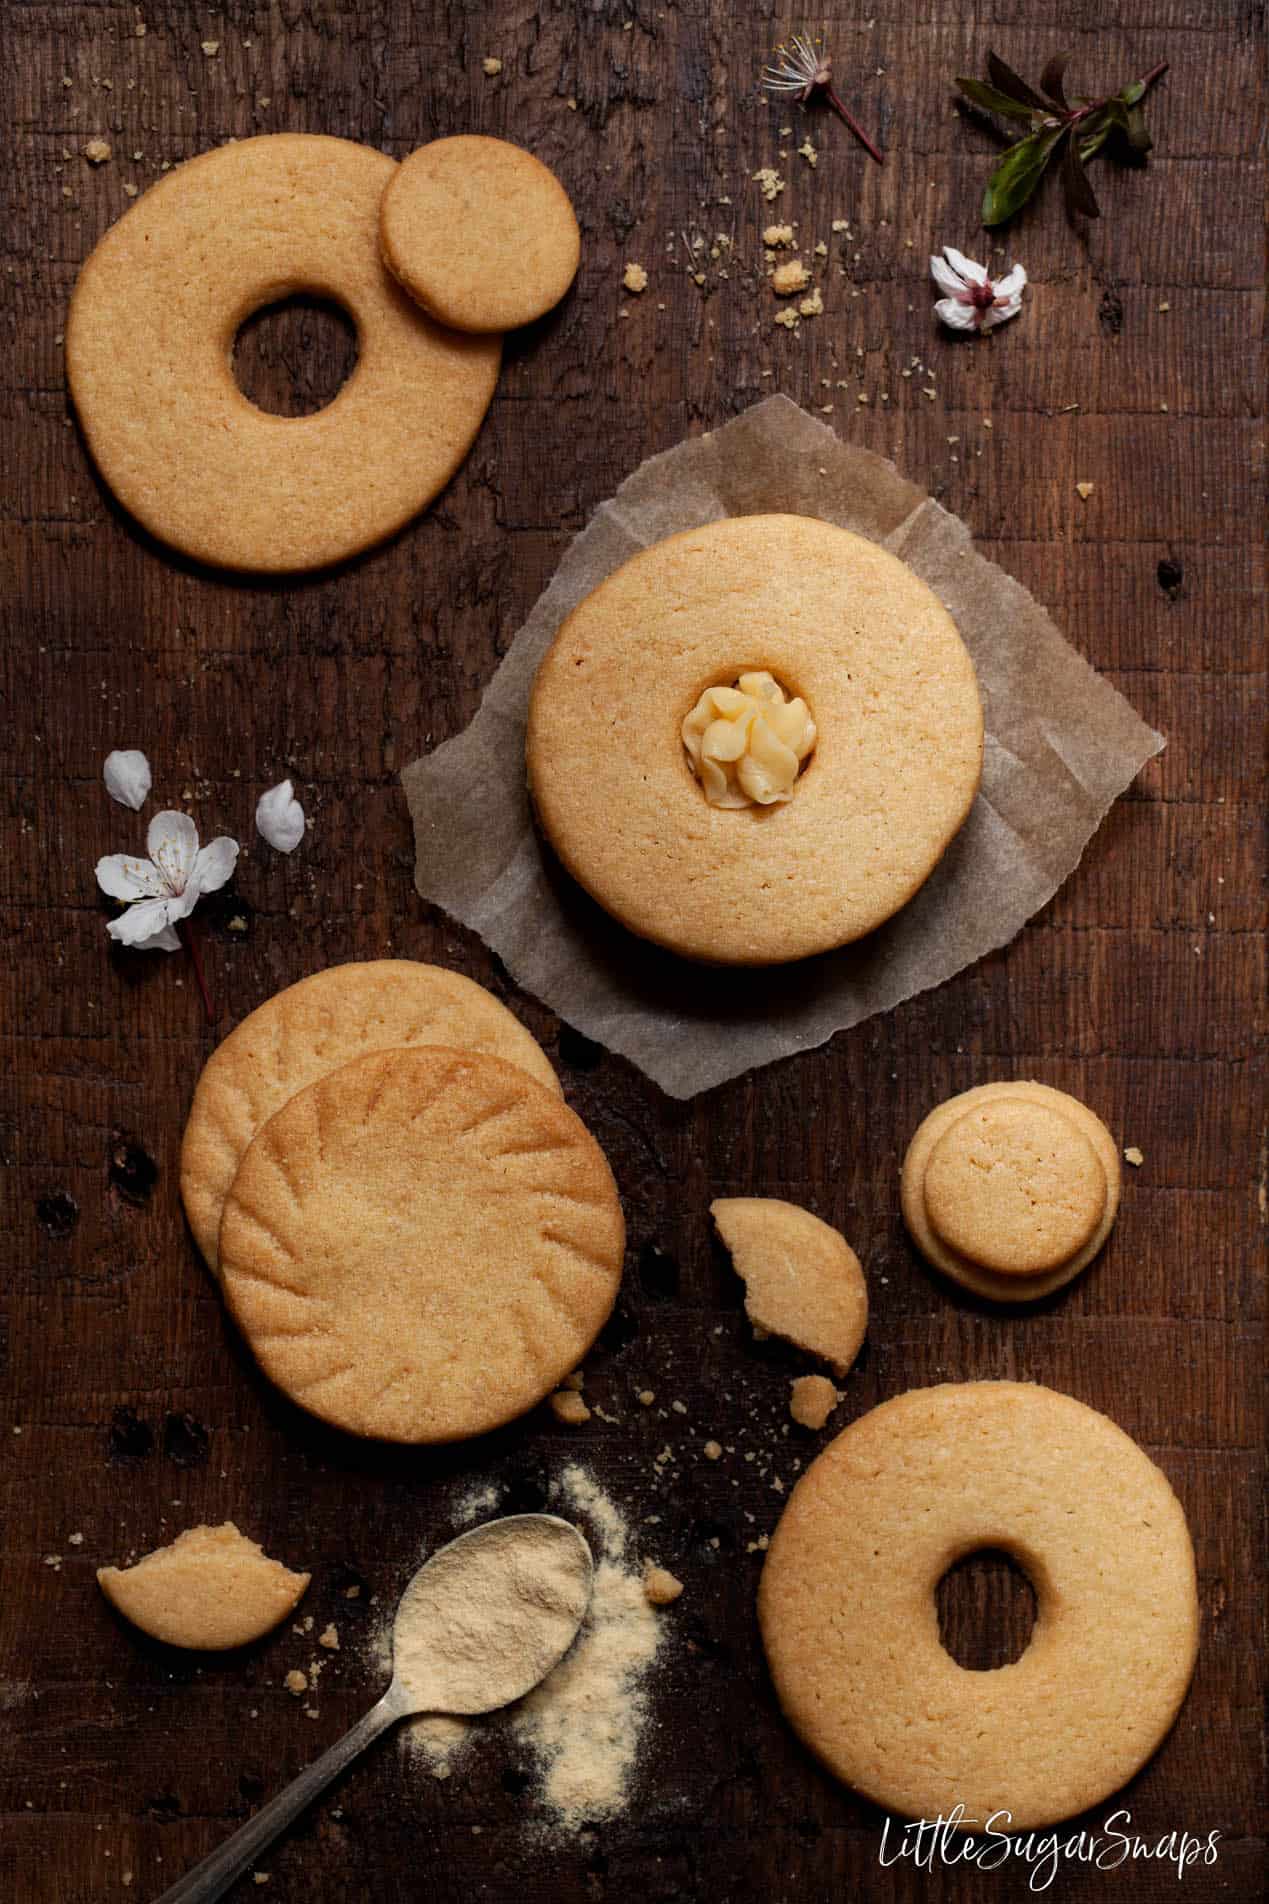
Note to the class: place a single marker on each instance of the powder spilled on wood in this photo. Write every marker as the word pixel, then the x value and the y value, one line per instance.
pixel 584 1725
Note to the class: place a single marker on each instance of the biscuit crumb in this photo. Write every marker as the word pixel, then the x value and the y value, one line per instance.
pixel 812 1400
pixel 1134 1156
pixel 97 151
pixel 778 235
pixel 568 1406
pixel 713 1451
pixel 211 48
pixel 645 1397
pixel 790 277
pixel 296 1682
pixel 635 279
pixel 659 1585
pixel 811 306
pixel 329 1638
pixel 130 191
pixel 491 67
pixel 807 151
pixel 770 182
pixel 788 317
pixel 576 1380
pixel 259 1877
pixel 1084 490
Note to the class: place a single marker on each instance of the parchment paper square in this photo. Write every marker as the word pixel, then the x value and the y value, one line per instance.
pixel 1061 744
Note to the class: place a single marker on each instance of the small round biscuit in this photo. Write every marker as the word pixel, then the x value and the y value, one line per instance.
pixel 803 1281
pixel 211 1589
pixel 1011 1189
pixel 149 351
pixel 851 1630
pixel 421 1245
pixel 314 1027
pixel 839 623
pixel 479 232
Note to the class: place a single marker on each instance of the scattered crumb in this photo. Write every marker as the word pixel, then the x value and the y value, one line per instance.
pixel 635 279
pixel 1084 490
pixel 807 151
pixel 645 1397
pixel 211 48
pixel 713 1450
pixel 1134 1156
pixel 568 1406
pixel 259 1877
pixel 576 1380
pixel 811 306
pixel 54 1561
pixel 1165 306
pixel 812 1400
pixel 770 182
pixel 758 1546
pixel 778 235
pixel 97 151
pixel 840 224
pixel 329 1638
pixel 788 317
pixel 296 1682
pixel 130 191
pixel 659 1585
pixel 790 277
pixel 352 1593
pixel 490 67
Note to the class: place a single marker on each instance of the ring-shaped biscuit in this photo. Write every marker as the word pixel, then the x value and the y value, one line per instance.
pixel 835 619
pixel 149 351
pixel 992 1284
pixel 850 1623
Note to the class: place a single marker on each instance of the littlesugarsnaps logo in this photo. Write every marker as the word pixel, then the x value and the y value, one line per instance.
pixel 953 1838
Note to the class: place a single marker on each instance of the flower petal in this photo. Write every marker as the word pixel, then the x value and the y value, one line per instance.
pixel 128 778
pixel 124 877
pixel 971 272
pixel 946 279
pixel 143 921
pixel 213 866
pixel 1012 284
pixel 280 817
pixel 1000 314
pixel 168 940
pixel 957 316
pixel 172 843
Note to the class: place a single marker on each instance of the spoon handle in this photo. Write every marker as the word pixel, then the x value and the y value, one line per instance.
pixel 212 1878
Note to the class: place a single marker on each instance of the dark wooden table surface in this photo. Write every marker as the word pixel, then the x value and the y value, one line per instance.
pixel 130 1408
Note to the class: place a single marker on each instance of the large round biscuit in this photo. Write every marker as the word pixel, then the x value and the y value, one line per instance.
pixel 325 1021
pixel 149 350
pixel 480 232
pixel 421 1245
pixel 850 1625
pixel 1006 1286
pixel 889 685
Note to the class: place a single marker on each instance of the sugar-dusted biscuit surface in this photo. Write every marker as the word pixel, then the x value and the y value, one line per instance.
pixel 315 1026
pixel 850 1625
pixel 480 232
pixel 421 1245
pixel 149 351
pixel 836 621
pixel 211 1589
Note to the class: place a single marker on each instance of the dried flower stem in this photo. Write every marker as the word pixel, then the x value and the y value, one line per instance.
pixel 186 930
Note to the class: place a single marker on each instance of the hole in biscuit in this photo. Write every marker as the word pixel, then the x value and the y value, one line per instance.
pixel 987 1610
pixel 294 357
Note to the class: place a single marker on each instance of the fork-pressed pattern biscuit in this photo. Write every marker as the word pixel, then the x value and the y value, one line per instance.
pixel 421 1245
pixel 313 1027
pixel 851 1629
pixel 149 350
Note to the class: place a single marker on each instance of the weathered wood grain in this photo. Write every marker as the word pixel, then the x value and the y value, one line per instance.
pixel 130 1408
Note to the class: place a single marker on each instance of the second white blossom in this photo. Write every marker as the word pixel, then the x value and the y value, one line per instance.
pixel 971 300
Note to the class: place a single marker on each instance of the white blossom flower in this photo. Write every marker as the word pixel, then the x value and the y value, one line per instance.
pixel 280 817
pixel 972 301
pixel 127 777
pixel 166 887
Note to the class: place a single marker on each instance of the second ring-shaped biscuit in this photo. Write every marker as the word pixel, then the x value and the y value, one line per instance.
pixel 836 620
pixel 1011 1189
pixel 149 350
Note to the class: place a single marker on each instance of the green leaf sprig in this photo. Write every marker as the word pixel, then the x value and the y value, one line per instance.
pixel 1072 130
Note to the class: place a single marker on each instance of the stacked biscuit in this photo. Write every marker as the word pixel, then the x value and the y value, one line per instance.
pixel 415 1234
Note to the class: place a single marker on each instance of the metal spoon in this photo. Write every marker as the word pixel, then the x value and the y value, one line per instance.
pixel 212 1878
